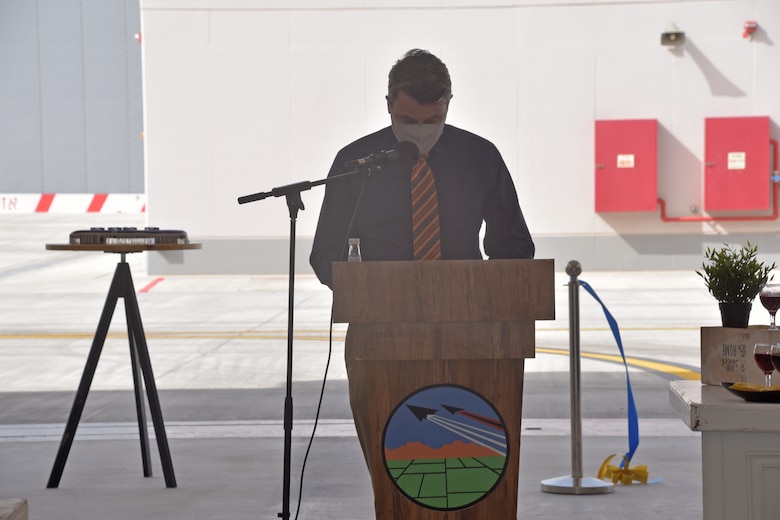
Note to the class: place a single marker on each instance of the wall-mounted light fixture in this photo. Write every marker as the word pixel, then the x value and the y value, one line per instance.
pixel 672 37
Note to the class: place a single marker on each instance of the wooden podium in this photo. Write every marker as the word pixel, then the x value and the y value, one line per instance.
pixel 435 356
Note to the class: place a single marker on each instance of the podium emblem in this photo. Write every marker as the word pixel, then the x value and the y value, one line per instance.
pixel 445 447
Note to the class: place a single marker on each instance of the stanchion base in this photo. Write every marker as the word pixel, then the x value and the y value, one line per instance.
pixel 577 486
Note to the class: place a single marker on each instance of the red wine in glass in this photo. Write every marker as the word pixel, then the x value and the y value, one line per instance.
pixel 762 353
pixel 765 362
pixel 775 350
pixel 771 302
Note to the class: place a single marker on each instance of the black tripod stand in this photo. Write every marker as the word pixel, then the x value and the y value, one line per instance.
pixel 121 287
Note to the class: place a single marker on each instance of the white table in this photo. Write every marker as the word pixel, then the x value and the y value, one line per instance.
pixel 740 447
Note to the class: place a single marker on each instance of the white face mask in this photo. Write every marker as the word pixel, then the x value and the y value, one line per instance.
pixel 423 135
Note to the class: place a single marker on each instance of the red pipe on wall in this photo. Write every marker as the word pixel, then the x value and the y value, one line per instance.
pixel 702 218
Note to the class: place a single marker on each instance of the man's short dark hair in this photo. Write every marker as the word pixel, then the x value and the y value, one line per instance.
pixel 421 75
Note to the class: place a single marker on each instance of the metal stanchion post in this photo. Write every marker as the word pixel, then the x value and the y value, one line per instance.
pixel 575 484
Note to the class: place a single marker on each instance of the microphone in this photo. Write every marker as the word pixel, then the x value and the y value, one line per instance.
pixel 404 152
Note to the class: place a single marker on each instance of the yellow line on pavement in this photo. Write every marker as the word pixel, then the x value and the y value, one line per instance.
pixel 655 366
pixel 541 328
pixel 312 334
pixel 309 335
pixel 322 335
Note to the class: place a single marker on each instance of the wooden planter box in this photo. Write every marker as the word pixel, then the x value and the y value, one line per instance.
pixel 727 354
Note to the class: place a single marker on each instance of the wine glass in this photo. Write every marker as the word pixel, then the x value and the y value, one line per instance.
pixel 762 353
pixel 770 299
pixel 775 353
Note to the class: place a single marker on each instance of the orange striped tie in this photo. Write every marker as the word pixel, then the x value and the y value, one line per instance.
pixel 425 212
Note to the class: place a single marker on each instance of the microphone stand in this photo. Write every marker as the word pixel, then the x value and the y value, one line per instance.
pixel 292 192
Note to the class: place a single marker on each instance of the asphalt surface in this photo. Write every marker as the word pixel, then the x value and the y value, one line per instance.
pixel 219 351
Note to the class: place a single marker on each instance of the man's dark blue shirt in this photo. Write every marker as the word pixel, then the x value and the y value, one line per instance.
pixel 472 183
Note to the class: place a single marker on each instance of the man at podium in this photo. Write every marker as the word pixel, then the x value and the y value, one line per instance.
pixel 471 184
pixel 428 204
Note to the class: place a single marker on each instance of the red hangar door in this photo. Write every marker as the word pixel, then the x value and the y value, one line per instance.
pixel 626 165
pixel 736 164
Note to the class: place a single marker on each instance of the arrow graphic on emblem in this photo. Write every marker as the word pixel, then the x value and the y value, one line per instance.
pixel 480 436
pixel 487 421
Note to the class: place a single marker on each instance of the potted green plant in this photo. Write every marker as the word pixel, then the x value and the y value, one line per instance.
pixel 734 276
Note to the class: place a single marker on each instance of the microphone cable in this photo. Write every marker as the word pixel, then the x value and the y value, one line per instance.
pixel 317 415
pixel 330 352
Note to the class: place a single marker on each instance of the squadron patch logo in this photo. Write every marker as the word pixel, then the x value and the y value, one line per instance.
pixel 445 447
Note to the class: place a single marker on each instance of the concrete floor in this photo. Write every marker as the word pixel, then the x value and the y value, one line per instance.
pixel 218 349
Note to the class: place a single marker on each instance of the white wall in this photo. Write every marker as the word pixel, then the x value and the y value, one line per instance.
pixel 242 96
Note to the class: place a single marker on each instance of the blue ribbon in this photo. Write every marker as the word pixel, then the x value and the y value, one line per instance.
pixel 633 419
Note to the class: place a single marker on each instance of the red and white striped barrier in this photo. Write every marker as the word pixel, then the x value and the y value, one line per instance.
pixel 72 203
